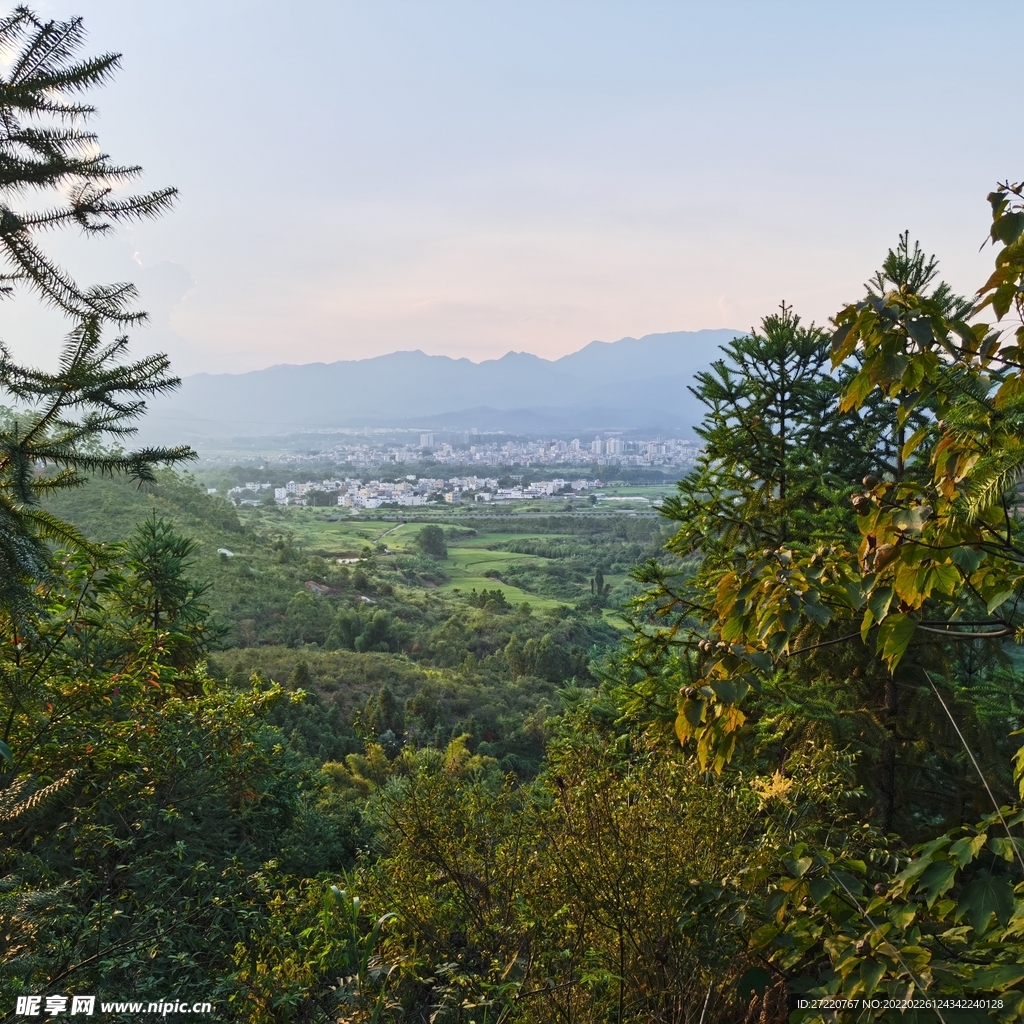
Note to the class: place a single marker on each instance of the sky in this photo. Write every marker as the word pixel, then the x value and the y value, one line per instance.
pixel 469 178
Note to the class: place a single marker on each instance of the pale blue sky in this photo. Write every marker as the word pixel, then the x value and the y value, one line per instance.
pixel 469 178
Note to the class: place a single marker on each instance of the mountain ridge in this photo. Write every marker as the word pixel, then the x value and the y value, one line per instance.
pixel 629 383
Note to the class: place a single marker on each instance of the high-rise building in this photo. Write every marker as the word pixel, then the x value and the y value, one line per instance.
pixel 426 440
pixel 597 446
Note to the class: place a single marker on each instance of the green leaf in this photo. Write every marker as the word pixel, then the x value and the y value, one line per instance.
pixel 1008 227
pixel 775 902
pixel 760 660
pixel 799 867
pixel 754 982
pixel 947 578
pixel 763 936
pixel 848 882
pixel 820 888
pixel 925 855
pixel 879 602
pixel 1006 848
pixel 988 894
pixel 871 972
pixel 997 977
pixel 902 915
pixel 5 752
pixel 963 851
pixel 894 636
pixel 729 690
pixel 817 612
pixel 937 879
pixel 856 392
pixel 839 352
pixel 915 439
pixel 997 599
pixel 693 712
pixel 967 558
pixel 911 520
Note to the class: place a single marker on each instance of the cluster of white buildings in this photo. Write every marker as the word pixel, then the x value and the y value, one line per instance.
pixel 478 452
pixel 541 489
pixel 405 493
pixel 415 491
pixel 350 493
pixel 295 493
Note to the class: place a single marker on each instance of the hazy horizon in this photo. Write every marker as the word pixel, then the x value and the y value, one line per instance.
pixel 476 362
pixel 472 179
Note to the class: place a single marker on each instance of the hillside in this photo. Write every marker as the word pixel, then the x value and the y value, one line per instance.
pixel 451 627
pixel 633 382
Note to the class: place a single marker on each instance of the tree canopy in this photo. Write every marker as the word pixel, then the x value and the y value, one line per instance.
pixel 315 787
pixel 431 541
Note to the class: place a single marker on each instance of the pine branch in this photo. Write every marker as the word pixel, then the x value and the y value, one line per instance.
pixel 92 398
pixel 14 803
pixel 52 152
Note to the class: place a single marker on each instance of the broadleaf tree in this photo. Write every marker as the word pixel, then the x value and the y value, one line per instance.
pixel 936 566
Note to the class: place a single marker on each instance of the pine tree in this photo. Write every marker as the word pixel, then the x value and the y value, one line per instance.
pixel 91 398
pixel 779 460
pixel 157 597
pixel 74 420
pixel 906 271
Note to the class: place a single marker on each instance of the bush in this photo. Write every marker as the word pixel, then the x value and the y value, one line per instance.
pixel 430 541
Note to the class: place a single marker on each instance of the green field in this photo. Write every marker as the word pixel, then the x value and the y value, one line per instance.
pixel 472 556
pixel 311 529
pixel 467 564
pixel 632 499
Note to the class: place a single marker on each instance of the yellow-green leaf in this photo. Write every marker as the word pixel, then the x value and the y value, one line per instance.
pixel 894 636
pixel 998 598
pixel 963 851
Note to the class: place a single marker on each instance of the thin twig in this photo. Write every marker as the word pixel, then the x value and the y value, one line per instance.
pixel 977 768
pixel 703 1012
pixel 960 635
pixel 828 643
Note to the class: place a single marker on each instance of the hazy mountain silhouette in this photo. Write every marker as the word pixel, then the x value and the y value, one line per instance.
pixel 635 382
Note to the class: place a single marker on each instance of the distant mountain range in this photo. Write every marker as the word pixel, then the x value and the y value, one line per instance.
pixel 635 383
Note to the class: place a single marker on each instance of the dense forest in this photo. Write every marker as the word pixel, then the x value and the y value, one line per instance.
pixel 759 750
